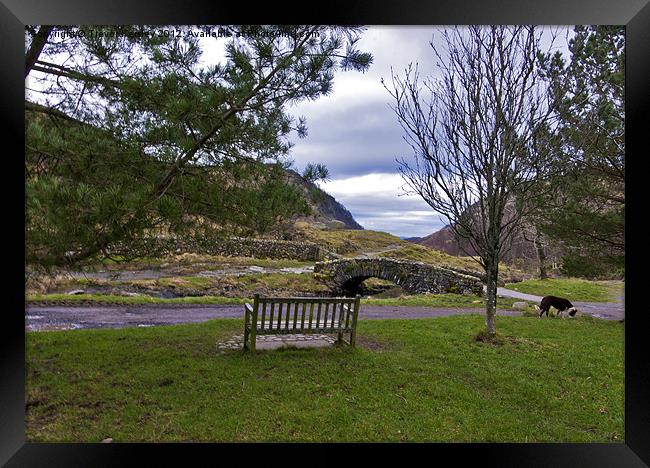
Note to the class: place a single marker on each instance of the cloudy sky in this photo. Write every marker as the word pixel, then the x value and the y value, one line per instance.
pixel 356 135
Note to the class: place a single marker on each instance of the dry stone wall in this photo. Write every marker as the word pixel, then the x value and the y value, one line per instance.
pixel 235 247
pixel 266 248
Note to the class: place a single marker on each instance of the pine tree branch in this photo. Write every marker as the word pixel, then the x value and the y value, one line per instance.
pixel 58 70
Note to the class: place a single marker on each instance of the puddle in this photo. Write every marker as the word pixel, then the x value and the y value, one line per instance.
pixel 218 273
pixel 305 269
pixel 126 275
pixel 167 294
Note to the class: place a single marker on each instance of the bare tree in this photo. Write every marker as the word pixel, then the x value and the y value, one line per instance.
pixel 475 136
pixel 532 235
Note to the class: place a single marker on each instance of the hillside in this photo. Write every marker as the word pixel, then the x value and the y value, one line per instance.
pixel 442 240
pixel 521 251
pixel 325 209
pixel 366 243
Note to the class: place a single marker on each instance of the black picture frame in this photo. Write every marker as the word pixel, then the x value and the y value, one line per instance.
pixel 15 14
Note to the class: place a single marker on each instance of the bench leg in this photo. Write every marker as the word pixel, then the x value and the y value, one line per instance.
pixel 353 337
pixel 246 336
pixel 253 338
pixel 339 338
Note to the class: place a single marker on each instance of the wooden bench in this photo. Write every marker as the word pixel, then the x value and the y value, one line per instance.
pixel 290 315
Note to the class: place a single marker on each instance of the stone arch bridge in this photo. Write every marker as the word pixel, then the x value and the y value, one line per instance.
pixel 346 275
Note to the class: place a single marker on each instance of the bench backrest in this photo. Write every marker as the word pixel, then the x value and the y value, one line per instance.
pixel 293 314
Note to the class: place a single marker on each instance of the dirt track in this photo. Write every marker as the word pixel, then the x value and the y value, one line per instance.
pixel 66 317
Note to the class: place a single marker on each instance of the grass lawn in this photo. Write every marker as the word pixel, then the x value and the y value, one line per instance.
pixel 408 380
pixel 442 300
pixel 571 288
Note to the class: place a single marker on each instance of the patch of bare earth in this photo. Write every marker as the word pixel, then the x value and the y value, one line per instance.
pixel 372 344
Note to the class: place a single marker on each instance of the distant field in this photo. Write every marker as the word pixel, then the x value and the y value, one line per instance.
pixel 349 242
pixel 408 380
pixel 571 288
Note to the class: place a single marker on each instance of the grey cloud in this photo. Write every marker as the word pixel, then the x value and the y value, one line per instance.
pixel 402 216
pixel 354 132
pixel 349 145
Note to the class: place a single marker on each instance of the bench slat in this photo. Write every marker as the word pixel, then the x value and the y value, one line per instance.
pixel 271 315
pixel 327 306
pixel 318 312
pixel 347 316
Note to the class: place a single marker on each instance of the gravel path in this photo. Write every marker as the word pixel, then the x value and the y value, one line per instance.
pixel 67 317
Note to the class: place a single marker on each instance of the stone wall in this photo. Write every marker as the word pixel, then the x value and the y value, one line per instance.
pixel 414 277
pixel 233 247
pixel 265 248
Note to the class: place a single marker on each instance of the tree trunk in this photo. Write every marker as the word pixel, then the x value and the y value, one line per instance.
pixel 541 258
pixel 38 42
pixel 492 273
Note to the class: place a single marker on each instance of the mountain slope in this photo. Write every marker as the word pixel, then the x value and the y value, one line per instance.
pixel 325 208
pixel 520 248
pixel 442 240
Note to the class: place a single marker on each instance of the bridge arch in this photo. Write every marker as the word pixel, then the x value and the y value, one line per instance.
pixel 346 275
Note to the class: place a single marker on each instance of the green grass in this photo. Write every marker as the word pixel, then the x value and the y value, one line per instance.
pixel 408 380
pixel 423 254
pixel 298 281
pixel 441 300
pixel 275 284
pixel 348 241
pixel 570 288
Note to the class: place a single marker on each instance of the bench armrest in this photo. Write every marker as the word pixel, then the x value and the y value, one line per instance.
pixel 248 313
